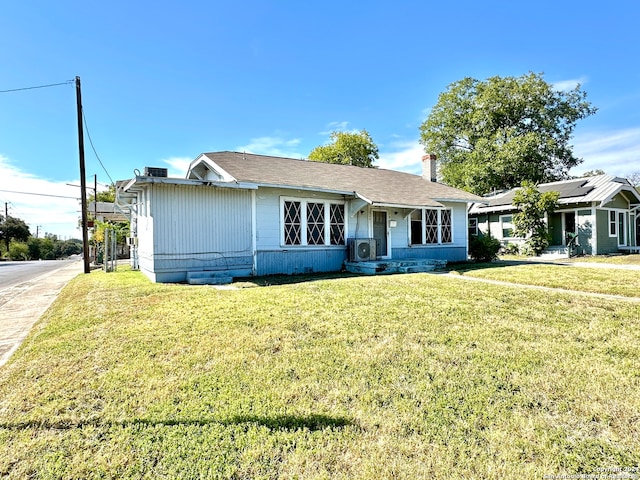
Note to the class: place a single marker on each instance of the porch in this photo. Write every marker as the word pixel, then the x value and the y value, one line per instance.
pixel 407 265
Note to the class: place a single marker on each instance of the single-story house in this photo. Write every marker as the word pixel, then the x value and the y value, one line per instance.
pixel 246 214
pixel 601 214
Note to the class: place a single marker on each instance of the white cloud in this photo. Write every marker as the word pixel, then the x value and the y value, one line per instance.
pixel 336 127
pixel 402 156
pixel 178 166
pixel 616 152
pixel 274 146
pixel 39 203
pixel 570 84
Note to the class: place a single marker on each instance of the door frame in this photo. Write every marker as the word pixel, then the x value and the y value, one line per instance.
pixel 387 254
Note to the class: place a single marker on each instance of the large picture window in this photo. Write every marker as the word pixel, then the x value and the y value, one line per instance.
pixel 312 222
pixel 431 226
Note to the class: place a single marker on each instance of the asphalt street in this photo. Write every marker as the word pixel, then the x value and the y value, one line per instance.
pixel 23 300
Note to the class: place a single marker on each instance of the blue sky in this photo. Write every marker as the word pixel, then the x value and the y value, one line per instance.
pixel 165 81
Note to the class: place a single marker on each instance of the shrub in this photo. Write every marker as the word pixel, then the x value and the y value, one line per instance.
pixel 483 248
pixel 511 249
pixel 19 251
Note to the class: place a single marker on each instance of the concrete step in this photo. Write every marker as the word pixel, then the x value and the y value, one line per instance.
pixel 395 266
pixel 416 269
pixel 553 253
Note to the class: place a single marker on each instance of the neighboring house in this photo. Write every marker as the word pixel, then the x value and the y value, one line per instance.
pixel 248 214
pixel 602 212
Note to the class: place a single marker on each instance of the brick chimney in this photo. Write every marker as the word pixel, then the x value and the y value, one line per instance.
pixel 429 167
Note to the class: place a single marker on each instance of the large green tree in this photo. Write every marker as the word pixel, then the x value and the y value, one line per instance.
pixel 496 133
pixel 347 148
pixel 12 228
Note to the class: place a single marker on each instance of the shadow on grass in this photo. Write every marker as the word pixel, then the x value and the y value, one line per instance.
pixel 460 267
pixel 464 267
pixel 269 280
pixel 275 423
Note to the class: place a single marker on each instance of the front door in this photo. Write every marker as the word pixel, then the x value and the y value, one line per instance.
pixel 622 230
pixel 569 225
pixel 380 232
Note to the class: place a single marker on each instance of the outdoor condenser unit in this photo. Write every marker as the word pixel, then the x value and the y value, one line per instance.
pixel 156 172
pixel 362 249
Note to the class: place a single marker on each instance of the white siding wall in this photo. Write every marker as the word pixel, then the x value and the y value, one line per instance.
pixel 271 256
pixel 196 228
pixel 268 221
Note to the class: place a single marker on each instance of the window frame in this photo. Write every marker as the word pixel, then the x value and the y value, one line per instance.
pixel 328 228
pixel 504 222
pixel 473 229
pixel 613 223
pixel 438 225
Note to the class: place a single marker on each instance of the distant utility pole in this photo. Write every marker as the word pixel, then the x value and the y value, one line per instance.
pixel 83 181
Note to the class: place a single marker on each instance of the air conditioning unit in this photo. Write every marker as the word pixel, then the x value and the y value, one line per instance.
pixel 362 249
pixel 156 172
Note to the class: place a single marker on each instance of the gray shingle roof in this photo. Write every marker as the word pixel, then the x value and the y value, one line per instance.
pixel 377 185
pixel 599 188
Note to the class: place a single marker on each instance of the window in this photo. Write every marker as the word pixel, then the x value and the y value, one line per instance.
pixel 315 223
pixel 506 223
pixel 416 227
pixel 473 226
pixel 312 223
pixel 431 226
pixel 445 226
pixel 336 221
pixel 292 223
pixel 613 224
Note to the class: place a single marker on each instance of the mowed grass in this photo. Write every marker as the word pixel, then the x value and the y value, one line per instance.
pixel 584 279
pixel 403 376
pixel 629 259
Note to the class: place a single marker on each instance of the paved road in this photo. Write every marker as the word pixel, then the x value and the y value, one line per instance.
pixel 15 277
pixel 22 303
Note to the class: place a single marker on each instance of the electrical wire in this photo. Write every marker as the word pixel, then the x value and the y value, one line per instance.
pixel 38 86
pixel 39 194
pixel 86 129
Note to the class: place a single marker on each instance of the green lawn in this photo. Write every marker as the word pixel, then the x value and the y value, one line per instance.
pixel 616 259
pixel 584 279
pixel 630 259
pixel 401 376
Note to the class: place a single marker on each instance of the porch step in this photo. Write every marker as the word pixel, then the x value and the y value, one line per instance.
pixel 417 269
pixel 395 266
pixel 552 253
pixel 208 278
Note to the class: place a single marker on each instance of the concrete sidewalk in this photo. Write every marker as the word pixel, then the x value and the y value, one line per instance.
pixel 27 304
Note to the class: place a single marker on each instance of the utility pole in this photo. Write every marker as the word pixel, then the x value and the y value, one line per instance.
pixel 83 181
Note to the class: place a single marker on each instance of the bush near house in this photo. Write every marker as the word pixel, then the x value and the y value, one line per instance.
pixel 483 248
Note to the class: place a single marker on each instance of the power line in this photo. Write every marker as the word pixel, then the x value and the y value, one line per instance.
pixel 86 128
pixel 38 86
pixel 40 194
